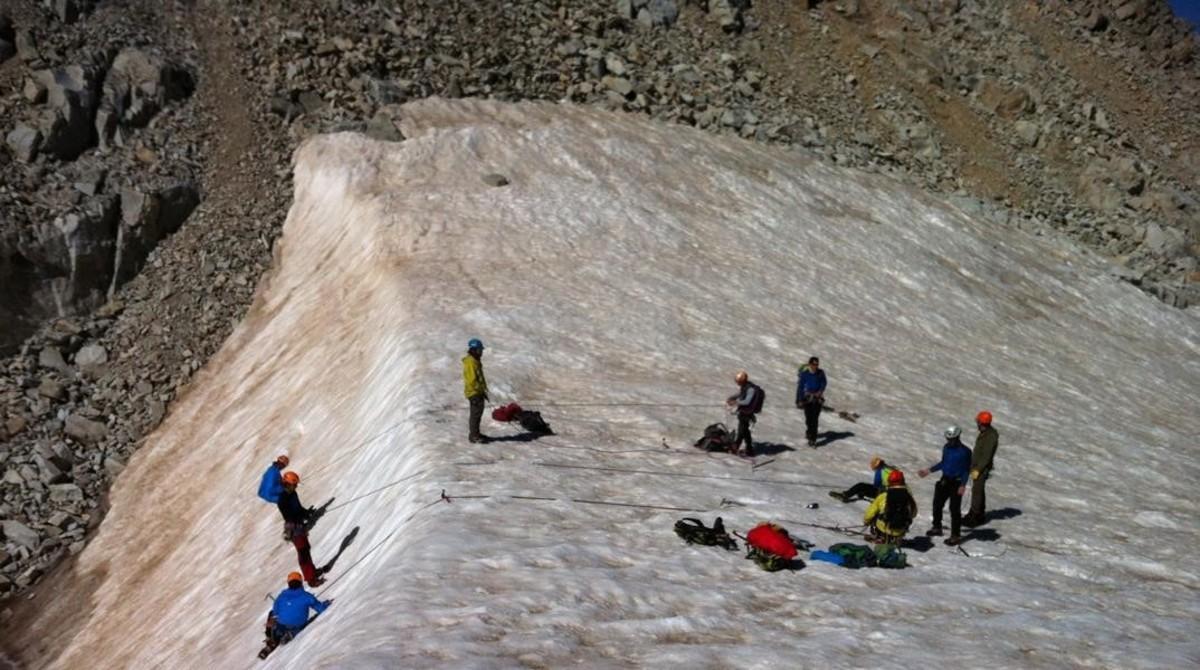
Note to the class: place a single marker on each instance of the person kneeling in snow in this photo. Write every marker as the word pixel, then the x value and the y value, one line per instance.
pixel 289 614
pixel 272 480
pixel 892 512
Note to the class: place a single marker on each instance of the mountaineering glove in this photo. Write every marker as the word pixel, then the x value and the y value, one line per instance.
pixel 974 475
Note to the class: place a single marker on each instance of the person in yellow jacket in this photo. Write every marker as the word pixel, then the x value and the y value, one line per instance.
pixel 475 388
pixel 892 512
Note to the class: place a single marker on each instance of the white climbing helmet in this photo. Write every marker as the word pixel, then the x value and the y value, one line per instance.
pixel 952 432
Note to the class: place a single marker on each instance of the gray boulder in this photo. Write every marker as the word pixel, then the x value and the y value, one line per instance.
pixel 48 471
pixel 27 46
pixel 65 493
pixel 72 94
pixel 147 218
pixel 1165 242
pixel 24 142
pixel 91 358
pixel 20 534
pixel 729 14
pixel 1028 132
pixel 658 13
pixel 84 430
pixel 52 389
pixel 138 85
pixel 52 358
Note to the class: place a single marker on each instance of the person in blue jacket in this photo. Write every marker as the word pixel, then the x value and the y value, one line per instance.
pixel 289 614
pixel 272 480
pixel 956 472
pixel 810 396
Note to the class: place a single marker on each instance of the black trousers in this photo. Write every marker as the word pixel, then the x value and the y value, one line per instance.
pixel 475 417
pixel 812 415
pixel 743 432
pixel 947 490
pixel 863 490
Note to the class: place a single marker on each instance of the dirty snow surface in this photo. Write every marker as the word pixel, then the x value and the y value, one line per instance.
pixel 619 281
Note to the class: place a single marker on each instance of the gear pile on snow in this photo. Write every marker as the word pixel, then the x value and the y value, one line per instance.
pixel 530 421
pixel 770 546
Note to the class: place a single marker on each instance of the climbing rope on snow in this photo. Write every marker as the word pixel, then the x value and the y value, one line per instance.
pixel 584 501
pixel 410 517
pixel 567 466
pixel 374 491
pixel 853 531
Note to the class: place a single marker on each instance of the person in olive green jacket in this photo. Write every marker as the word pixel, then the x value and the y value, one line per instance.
pixel 475 388
pixel 892 512
pixel 981 465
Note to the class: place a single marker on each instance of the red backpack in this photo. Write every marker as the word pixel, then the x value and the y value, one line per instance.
pixel 772 539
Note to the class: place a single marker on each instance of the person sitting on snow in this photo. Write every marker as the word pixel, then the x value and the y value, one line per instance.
pixel 892 511
pixel 289 614
pixel 272 480
pixel 865 490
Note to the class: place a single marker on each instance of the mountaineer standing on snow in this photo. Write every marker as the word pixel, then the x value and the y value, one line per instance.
pixel 475 388
pixel 272 480
pixel 289 614
pixel 956 467
pixel 810 396
pixel 747 403
pixel 892 511
pixel 981 466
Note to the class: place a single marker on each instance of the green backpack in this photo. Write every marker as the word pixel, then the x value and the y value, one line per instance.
pixel 766 560
pixel 855 556
pixel 693 531
pixel 890 556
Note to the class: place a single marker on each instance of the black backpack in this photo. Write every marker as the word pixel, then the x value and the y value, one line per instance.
pixel 693 531
pixel 716 438
pixel 759 396
pixel 898 509
pixel 533 422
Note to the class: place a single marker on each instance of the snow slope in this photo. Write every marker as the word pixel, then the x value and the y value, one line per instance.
pixel 619 281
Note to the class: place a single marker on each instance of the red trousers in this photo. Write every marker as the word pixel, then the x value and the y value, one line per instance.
pixel 304 555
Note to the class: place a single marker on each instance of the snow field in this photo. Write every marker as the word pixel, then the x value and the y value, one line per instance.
pixel 619 281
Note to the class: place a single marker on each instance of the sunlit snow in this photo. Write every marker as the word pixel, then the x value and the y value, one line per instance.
pixel 619 282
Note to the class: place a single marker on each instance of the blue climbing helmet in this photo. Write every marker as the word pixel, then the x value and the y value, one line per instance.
pixel 475 343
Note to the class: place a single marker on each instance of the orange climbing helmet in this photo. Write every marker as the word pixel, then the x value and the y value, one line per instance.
pixel 895 478
pixel 291 478
pixel 984 418
pixel 295 577
pixel 282 460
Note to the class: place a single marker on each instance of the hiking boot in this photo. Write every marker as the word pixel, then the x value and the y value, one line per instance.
pixel 952 541
pixel 838 495
pixel 812 442
pixel 316 581
pixel 936 531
